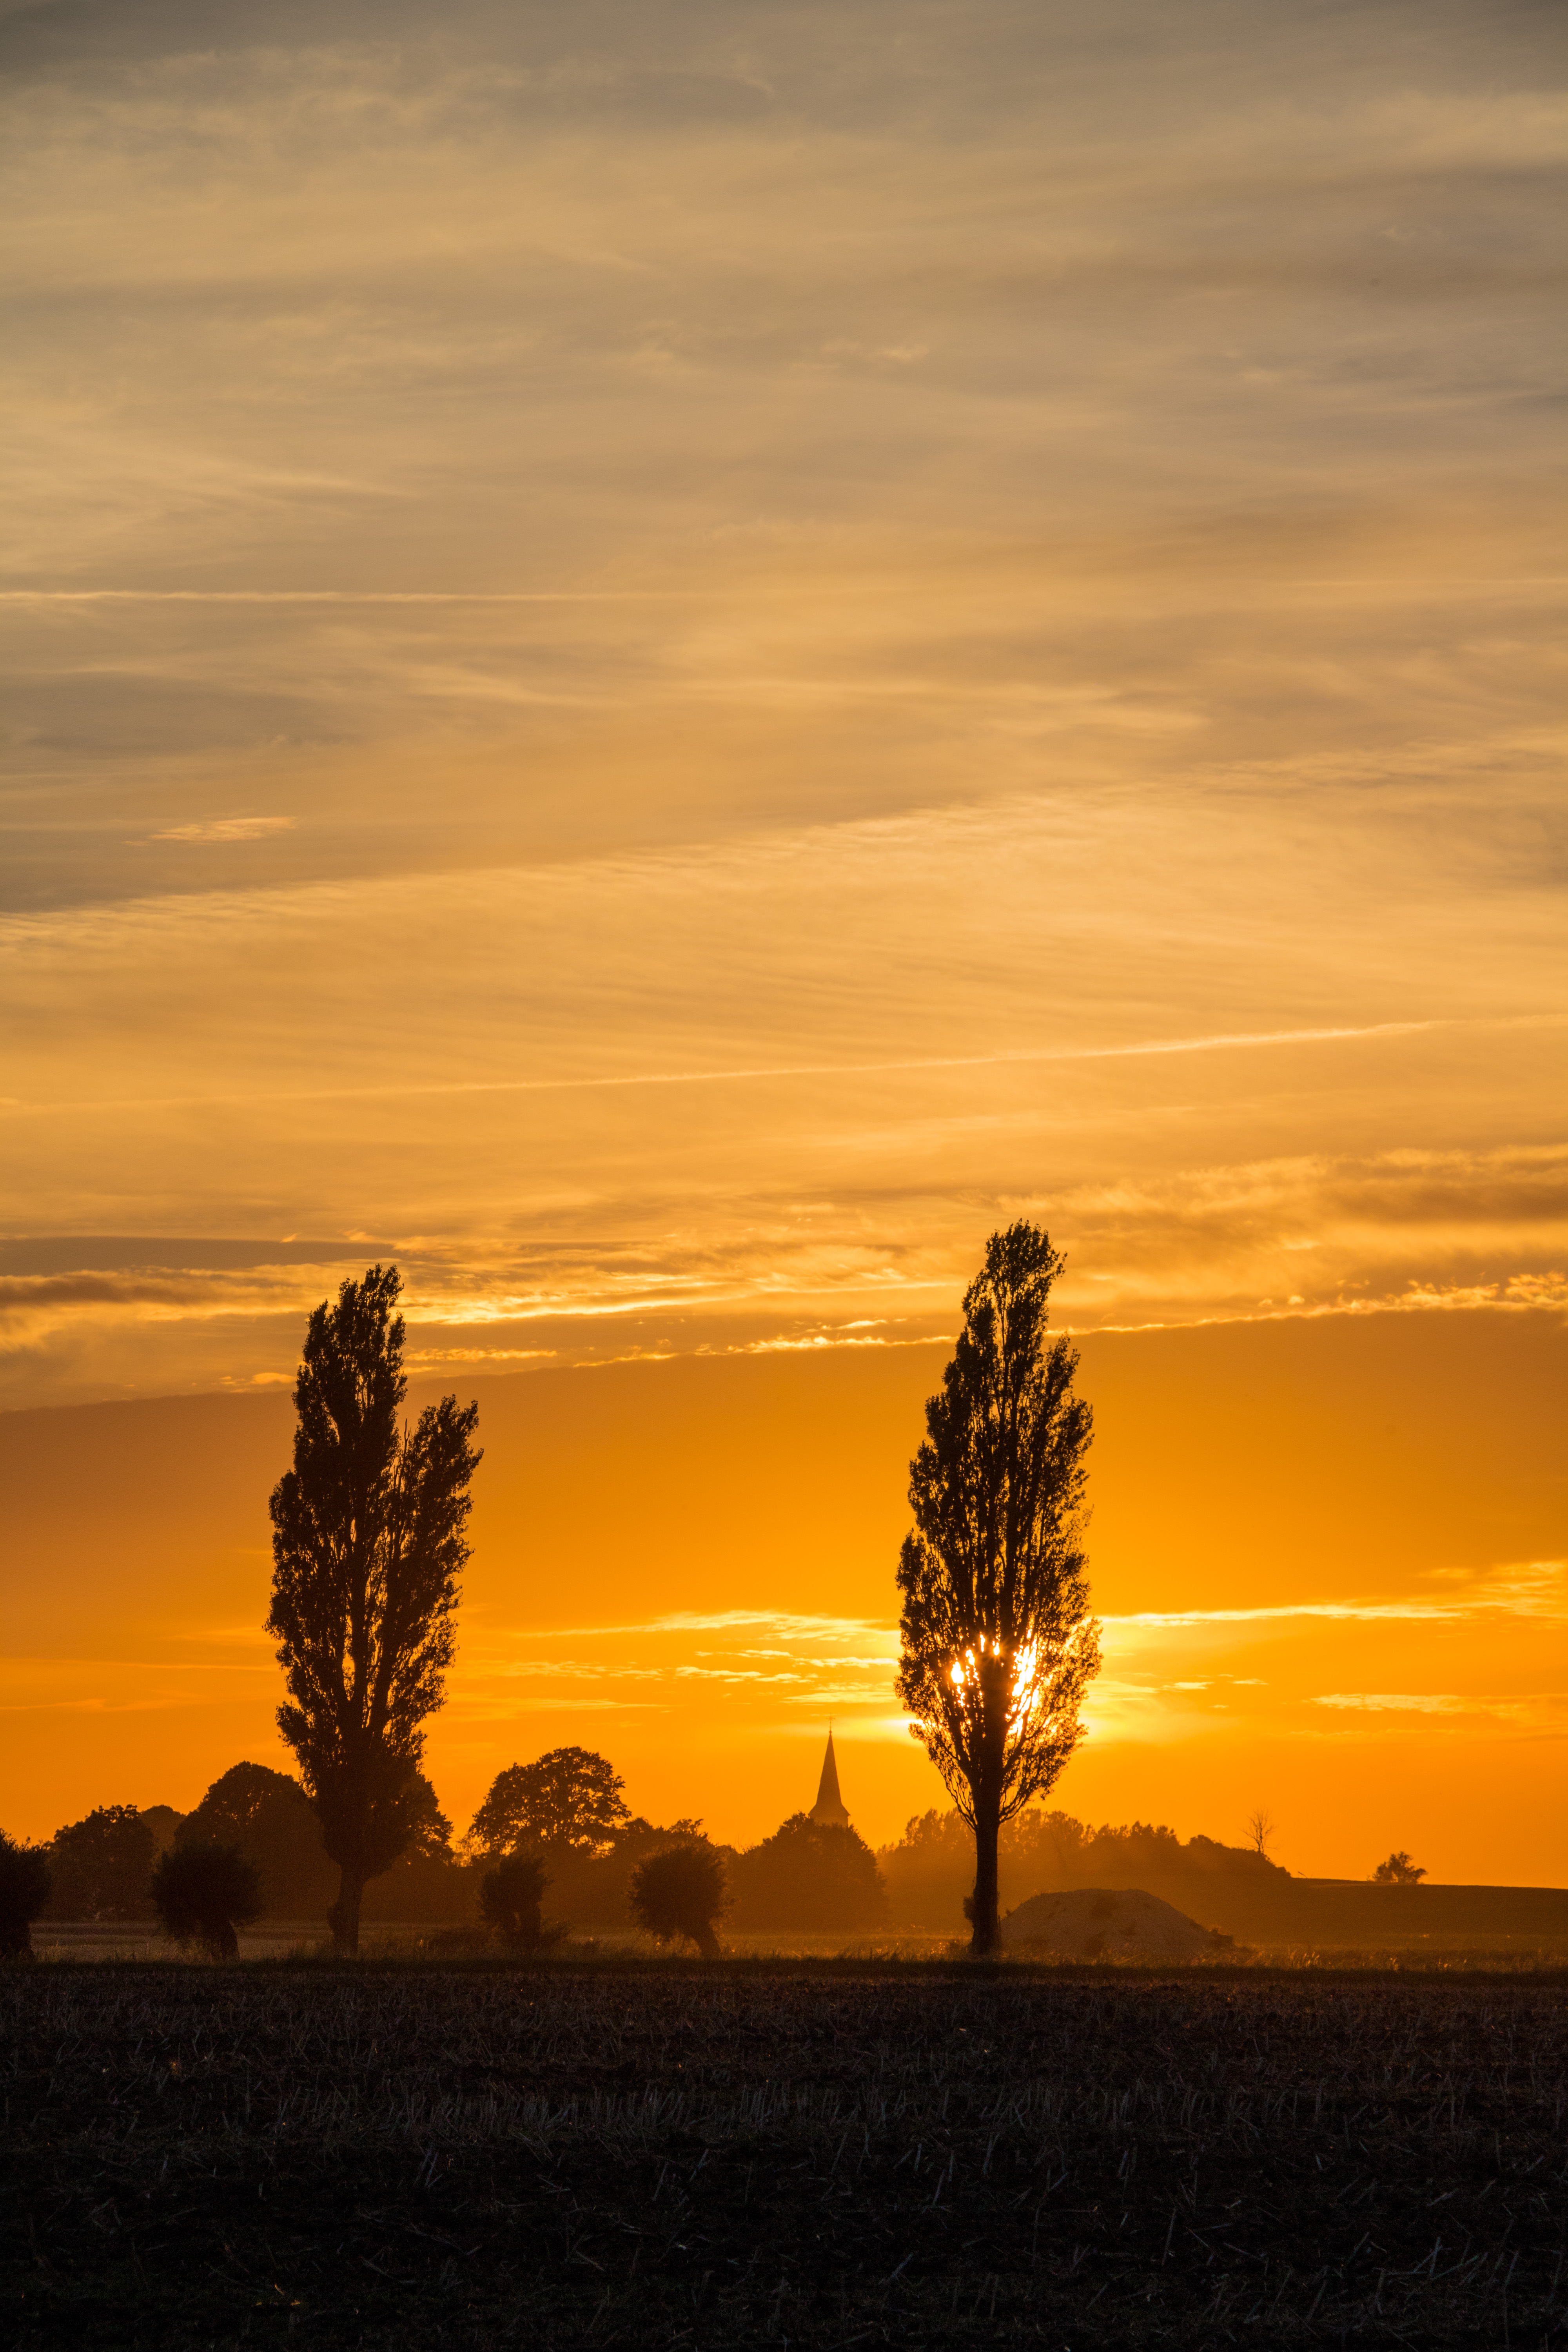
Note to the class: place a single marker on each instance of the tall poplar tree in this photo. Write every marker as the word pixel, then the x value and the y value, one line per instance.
pixel 998 1646
pixel 368 1540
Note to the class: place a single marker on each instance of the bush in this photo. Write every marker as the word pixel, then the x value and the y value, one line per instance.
pixel 204 1893
pixel 25 1883
pixel 680 1893
pixel 510 1900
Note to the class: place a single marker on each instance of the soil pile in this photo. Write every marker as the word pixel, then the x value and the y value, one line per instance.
pixel 1097 1923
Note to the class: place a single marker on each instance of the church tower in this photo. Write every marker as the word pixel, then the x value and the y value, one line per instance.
pixel 828 1812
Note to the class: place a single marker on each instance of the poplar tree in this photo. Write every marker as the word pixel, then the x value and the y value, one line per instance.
pixel 368 1541
pixel 998 1646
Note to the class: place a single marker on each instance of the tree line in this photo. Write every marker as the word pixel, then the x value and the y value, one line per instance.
pixel 370 1538
pixel 560 1824
pixel 565 1816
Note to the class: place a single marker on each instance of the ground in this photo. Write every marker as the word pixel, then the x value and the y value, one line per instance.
pixel 816 2154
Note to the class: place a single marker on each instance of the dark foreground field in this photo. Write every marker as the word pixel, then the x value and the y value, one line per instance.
pixel 408 2157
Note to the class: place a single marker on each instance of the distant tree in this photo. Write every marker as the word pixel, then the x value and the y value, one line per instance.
pixel 680 1892
pixel 999 1645
pixel 594 1883
pixel 808 1874
pixel 510 1900
pixel 268 1817
pixel 1398 1871
pixel 25 1883
pixel 570 1799
pixel 368 1540
pixel 164 1823
pixel 1260 1829
pixel 100 1864
pixel 202 1894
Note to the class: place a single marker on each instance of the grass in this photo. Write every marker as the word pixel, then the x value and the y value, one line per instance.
pixel 807 2153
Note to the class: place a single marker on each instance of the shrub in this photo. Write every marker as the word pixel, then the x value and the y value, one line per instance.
pixel 680 1893
pixel 509 1899
pixel 204 1893
pixel 25 1883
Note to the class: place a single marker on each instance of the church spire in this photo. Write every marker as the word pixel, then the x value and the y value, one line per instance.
pixel 829 1810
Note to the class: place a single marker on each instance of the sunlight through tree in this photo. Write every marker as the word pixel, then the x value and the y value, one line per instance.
pixel 998 1645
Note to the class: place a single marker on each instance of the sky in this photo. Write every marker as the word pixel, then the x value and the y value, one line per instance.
pixel 665 661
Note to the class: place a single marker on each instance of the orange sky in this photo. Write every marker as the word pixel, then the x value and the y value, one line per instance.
pixel 667 663
pixel 1322 1551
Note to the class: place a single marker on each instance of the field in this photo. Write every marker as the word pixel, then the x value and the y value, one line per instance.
pixel 811 2154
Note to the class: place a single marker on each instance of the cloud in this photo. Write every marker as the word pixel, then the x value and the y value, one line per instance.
pixel 1409 1702
pixel 1534 1589
pixel 227 828
pixel 39 1290
pixel 784 1625
pixel 1546 1710
pixel 1009 562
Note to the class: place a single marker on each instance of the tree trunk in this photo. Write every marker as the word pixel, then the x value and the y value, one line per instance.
pixel 344 1917
pixel 986 1938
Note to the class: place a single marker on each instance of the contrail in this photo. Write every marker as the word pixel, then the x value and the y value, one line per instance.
pixel 344 595
pixel 1223 1041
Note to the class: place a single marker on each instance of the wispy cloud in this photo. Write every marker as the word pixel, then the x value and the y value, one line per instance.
pixel 1437 1701
pixel 227 828
pixel 1532 1589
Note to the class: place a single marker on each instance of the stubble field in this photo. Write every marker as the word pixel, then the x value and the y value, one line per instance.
pixel 816 2155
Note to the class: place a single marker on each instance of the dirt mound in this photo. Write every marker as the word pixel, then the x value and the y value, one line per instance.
pixel 1098 1923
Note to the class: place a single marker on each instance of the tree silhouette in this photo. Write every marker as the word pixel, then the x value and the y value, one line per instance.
pixel 510 1898
pixel 998 1645
pixel 1398 1871
pixel 680 1892
pixel 367 1544
pixel 25 1884
pixel 203 1892
pixel 569 1798
pixel 100 1865
pixel 268 1817
pixel 429 1830
pixel 808 1874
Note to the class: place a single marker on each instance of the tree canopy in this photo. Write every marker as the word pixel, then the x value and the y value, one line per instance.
pixel 998 1647
pixel 268 1816
pixel 570 1799
pixel 807 1875
pixel 369 1540
pixel 100 1865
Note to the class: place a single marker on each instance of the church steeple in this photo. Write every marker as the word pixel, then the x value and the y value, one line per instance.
pixel 829 1810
